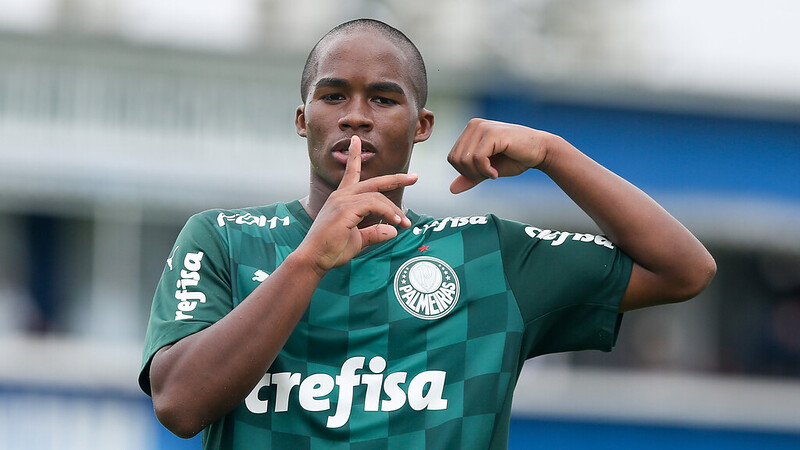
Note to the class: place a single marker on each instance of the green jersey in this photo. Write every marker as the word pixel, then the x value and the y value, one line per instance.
pixel 416 342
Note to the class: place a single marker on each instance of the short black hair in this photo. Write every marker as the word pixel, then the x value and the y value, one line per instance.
pixel 419 77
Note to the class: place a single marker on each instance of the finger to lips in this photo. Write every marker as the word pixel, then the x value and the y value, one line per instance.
pixel 352 169
pixel 372 187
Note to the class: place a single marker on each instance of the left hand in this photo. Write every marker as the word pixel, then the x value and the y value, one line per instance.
pixel 489 149
pixel 335 237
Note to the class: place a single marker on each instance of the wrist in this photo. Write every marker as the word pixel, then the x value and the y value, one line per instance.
pixel 555 148
pixel 300 262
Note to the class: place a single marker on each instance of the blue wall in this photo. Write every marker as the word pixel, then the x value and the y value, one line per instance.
pixel 670 152
pixel 581 435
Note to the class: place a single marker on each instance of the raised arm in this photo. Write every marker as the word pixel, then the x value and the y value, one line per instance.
pixel 204 376
pixel 670 264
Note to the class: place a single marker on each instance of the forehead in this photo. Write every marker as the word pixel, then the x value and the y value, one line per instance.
pixel 363 54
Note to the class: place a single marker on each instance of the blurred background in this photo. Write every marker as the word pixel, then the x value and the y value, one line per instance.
pixel 121 118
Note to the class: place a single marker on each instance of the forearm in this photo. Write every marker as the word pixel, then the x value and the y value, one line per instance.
pixel 624 213
pixel 676 264
pixel 670 264
pixel 204 376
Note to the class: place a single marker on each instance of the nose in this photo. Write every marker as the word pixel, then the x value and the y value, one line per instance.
pixel 356 116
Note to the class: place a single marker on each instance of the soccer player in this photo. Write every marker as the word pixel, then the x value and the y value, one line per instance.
pixel 345 320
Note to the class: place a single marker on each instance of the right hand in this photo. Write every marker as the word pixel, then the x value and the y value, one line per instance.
pixel 335 237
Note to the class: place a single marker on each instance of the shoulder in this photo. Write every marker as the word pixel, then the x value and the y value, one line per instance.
pixel 231 221
pixel 219 225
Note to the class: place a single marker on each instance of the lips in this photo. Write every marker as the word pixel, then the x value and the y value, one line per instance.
pixel 341 151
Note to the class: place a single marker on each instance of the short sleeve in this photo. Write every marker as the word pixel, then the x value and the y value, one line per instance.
pixel 194 290
pixel 568 286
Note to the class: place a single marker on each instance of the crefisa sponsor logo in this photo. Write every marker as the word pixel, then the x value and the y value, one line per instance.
pixel 557 238
pixel 426 287
pixel 451 222
pixel 380 391
pixel 190 277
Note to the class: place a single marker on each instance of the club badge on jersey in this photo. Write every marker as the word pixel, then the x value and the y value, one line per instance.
pixel 426 287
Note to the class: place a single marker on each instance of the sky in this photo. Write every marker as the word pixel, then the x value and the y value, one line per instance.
pixel 713 46
pixel 744 46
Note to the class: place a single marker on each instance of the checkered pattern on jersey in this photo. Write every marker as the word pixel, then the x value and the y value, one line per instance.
pixel 355 312
pixel 355 315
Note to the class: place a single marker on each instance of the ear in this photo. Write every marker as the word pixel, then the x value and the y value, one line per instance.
pixel 424 126
pixel 300 120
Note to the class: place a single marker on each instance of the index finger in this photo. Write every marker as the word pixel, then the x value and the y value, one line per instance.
pixel 352 169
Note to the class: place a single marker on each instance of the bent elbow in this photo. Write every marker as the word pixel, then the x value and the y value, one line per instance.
pixel 678 284
pixel 176 417
pixel 699 279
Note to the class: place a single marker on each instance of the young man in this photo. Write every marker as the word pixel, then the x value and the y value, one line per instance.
pixel 345 320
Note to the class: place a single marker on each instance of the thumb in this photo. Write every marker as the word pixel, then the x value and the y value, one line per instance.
pixel 462 183
pixel 376 233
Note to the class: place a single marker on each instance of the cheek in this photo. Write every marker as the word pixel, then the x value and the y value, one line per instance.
pixel 315 121
pixel 314 132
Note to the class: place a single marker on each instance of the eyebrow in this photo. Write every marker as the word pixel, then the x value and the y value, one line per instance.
pixel 331 82
pixel 386 86
pixel 379 86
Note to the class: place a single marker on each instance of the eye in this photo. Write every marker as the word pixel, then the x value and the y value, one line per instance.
pixel 332 97
pixel 385 101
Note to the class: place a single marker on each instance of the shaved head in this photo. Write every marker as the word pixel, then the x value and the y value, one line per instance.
pixel 417 74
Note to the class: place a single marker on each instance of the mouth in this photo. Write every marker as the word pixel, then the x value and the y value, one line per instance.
pixel 341 151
